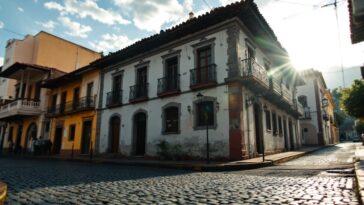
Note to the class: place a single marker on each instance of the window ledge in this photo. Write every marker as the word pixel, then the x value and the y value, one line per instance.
pixel 171 133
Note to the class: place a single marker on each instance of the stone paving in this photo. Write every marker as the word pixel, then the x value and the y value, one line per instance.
pixel 54 182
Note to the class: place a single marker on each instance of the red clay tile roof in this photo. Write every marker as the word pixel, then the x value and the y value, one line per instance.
pixel 356 28
pixel 16 66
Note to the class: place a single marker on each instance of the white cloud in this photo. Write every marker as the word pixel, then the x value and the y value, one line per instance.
pixel 112 42
pixel 87 8
pixel 20 9
pixel 1 61
pixel 75 28
pixel 226 2
pixel 47 25
pixel 1 24
pixel 151 15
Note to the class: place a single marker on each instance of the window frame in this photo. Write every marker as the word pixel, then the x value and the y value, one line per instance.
pixel 268 121
pixel 274 122
pixel 164 128
pixel 195 113
pixel 203 44
pixel 280 126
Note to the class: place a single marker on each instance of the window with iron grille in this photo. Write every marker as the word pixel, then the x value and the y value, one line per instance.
pixel 171 119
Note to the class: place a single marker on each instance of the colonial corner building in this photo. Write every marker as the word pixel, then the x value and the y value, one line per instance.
pixel 223 74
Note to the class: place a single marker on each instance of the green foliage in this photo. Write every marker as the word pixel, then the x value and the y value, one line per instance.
pixel 340 118
pixel 352 99
pixel 360 127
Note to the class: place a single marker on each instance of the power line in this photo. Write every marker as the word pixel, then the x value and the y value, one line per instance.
pixel 339 38
pixel 207 4
pixel 338 71
pixel 13 32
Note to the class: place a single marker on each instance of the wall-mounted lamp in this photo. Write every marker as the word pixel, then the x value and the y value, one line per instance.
pixel 265 108
pixel 189 108
pixel 217 106
pixel 249 101
pixel 324 102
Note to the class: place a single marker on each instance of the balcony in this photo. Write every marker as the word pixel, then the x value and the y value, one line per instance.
pixel 286 94
pixel 81 104
pixel 20 107
pixel 251 74
pixel 138 92
pixel 114 98
pixel 203 77
pixel 168 86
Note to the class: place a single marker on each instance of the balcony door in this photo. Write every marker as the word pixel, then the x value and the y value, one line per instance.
pixel 76 98
pixel 204 59
pixel 63 102
pixel 141 81
pixel 171 73
pixel 116 88
pixel 89 93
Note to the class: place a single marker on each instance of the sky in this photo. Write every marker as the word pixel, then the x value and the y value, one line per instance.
pixel 308 31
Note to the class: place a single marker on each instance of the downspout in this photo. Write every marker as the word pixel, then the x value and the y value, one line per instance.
pixel 248 126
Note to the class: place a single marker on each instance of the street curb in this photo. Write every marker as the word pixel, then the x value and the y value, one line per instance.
pixel 359 177
pixel 289 158
pixel 182 166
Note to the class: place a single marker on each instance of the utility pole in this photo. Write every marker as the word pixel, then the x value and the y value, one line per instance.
pixel 339 37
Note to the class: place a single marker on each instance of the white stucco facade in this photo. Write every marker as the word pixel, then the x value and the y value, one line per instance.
pixel 191 141
pixel 314 125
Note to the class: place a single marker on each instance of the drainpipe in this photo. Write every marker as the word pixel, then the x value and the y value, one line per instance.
pixel 248 126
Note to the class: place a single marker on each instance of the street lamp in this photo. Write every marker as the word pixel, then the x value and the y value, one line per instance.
pixel 199 96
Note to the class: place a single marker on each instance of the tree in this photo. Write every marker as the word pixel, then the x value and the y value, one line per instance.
pixel 360 127
pixel 352 99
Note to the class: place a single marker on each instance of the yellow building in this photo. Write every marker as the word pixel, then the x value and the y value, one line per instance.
pixel 27 63
pixel 334 130
pixel 72 111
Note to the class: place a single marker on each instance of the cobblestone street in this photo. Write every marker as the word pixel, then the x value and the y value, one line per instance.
pixel 302 181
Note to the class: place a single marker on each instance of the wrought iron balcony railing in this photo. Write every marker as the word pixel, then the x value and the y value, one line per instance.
pixel 138 91
pixel 275 85
pixel 114 98
pixel 286 93
pixel 203 75
pixel 168 84
pixel 250 68
pixel 83 103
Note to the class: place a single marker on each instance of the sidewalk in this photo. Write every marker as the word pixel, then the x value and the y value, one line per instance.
pixel 191 165
pixel 359 171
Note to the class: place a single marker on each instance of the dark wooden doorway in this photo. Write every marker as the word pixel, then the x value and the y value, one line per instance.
pixel 114 134
pixel 18 147
pixel 86 136
pixel 258 129
pixel 58 140
pixel 290 131
pixel 31 135
pixel 140 125
pixel 286 145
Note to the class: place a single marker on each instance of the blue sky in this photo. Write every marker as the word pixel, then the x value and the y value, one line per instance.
pixel 306 30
